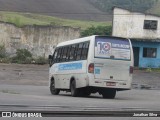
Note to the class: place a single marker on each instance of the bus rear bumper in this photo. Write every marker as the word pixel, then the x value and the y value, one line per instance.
pixel 118 85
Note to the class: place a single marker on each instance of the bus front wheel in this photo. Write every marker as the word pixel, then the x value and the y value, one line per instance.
pixel 53 90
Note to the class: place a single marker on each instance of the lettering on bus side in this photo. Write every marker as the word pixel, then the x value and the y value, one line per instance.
pixel 70 66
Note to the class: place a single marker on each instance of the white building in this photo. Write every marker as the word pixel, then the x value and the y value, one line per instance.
pixel 144 32
pixel 135 25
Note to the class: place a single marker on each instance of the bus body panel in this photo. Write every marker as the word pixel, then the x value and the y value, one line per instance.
pixel 63 72
pixel 109 69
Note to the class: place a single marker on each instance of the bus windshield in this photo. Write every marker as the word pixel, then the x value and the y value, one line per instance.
pixel 112 48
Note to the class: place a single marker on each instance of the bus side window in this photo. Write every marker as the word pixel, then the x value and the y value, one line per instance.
pixel 72 53
pixel 79 51
pixel 68 53
pixel 85 51
pixel 65 49
pixel 76 52
pixel 54 56
pixel 59 55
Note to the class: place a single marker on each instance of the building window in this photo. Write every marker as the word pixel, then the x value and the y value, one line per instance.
pixel 150 24
pixel 150 52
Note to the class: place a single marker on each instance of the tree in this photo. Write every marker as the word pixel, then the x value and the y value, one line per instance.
pixel 99 30
pixel 135 5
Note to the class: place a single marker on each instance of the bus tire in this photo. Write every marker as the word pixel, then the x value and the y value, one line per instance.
pixel 74 90
pixel 110 94
pixel 53 90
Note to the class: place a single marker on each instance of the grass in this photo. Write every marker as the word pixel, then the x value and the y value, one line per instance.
pixel 150 69
pixel 23 56
pixel 155 69
pixel 21 19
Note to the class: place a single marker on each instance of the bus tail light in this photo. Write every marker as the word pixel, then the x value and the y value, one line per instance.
pixel 131 70
pixel 91 68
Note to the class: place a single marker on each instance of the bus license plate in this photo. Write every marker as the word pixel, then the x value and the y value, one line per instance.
pixel 110 84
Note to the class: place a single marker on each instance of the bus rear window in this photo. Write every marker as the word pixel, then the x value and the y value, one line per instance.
pixel 112 48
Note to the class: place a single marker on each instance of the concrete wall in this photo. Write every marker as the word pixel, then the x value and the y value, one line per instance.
pixel 130 24
pixel 39 40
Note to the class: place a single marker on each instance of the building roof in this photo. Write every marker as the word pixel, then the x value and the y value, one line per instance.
pixel 145 40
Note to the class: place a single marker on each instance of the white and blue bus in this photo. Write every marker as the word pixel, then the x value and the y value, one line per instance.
pixel 91 64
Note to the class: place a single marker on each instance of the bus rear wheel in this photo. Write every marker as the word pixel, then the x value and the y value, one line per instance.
pixel 110 94
pixel 74 90
pixel 53 90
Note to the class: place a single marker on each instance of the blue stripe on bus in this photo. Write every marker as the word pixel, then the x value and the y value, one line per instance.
pixel 70 66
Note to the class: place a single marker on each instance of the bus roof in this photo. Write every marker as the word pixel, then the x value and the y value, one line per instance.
pixel 78 40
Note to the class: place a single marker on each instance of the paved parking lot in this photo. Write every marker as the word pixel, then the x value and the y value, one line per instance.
pixel 24 87
pixel 146 80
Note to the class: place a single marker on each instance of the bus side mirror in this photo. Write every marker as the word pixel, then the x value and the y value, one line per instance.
pixel 50 60
pixel 50 57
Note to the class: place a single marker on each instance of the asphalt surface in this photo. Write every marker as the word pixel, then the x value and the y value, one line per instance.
pixel 143 79
pixel 38 98
pixel 25 88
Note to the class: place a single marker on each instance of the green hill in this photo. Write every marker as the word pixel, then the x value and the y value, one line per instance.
pixel 133 5
pixel 74 13
pixel 68 9
pixel 21 19
pixel 87 10
pixel 155 8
